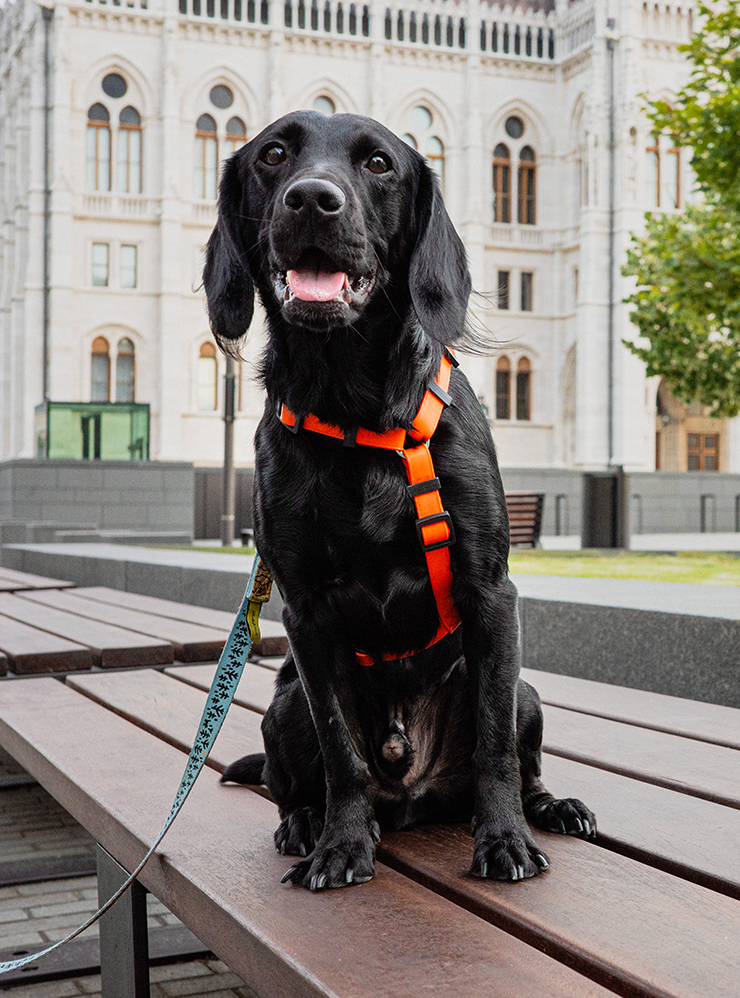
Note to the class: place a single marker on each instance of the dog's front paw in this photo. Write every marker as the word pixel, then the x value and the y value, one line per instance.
pixel 339 859
pixel 506 854
pixel 299 832
pixel 567 816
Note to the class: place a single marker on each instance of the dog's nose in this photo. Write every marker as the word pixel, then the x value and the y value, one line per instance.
pixel 321 195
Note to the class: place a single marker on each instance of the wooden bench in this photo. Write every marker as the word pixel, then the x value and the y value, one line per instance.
pixel 525 518
pixel 45 629
pixel 653 909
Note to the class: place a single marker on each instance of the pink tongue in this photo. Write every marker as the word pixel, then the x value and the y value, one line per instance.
pixel 311 285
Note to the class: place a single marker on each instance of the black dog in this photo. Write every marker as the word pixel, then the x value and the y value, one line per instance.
pixel 341 227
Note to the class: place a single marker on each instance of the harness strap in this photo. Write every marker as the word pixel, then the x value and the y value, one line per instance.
pixel 434 524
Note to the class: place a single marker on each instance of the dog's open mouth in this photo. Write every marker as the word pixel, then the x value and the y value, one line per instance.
pixel 316 278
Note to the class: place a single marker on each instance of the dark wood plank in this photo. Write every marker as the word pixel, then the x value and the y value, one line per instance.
pixel 532 913
pixel 171 710
pixel 683 764
pixel 683 835
pixel 274 640
pixel 24 580
pixel 638 930
pixel 255 688
pixel 31 650
pixel 687 836
pixel 191 642
pixel 219 873
pixel 110 646
pixel 704 721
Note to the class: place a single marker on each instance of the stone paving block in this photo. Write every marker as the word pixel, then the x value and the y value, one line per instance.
pixel 246 992
pixel 214 986
pixel 89 985
pixel 48 989
pixel 52 886
pixel 71 907
pixel 16 940
pixel 54 935
pixel 181 971
pixel 13 915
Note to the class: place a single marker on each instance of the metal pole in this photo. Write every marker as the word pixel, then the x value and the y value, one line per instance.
pixel 124 939
pixel 229 478
pixel 610 46
pixel 47 14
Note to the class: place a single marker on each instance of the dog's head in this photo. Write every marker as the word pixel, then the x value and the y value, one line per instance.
pixel 334 219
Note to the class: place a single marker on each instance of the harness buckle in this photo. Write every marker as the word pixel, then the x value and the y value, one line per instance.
pixel 443 517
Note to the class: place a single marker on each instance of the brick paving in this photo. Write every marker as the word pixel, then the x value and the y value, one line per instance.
pixel 33 825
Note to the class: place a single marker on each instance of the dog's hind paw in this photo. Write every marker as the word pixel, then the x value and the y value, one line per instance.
pixel 299 832
pixel 567 816
pixel 507 855
pixel 345 862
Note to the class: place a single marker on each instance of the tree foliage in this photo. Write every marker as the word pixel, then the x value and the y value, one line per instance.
pixel 687 265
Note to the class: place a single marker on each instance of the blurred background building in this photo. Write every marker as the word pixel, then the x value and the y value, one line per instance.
pixel 530 114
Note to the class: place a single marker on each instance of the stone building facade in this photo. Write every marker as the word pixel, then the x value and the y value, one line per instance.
pixel 513 106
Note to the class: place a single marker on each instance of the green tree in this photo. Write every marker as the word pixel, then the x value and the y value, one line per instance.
pixel 687 265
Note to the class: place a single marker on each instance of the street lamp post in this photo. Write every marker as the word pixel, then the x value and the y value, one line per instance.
pixel 229 478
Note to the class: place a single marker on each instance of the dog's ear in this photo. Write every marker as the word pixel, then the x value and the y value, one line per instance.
pixel 439 279
pixel 226 277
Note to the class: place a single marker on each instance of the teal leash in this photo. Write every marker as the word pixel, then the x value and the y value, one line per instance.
pixel 228 673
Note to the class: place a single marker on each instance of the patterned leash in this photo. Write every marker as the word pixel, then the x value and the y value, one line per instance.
pixel 230 667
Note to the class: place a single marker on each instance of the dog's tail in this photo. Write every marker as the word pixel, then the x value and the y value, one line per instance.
pixel 249 769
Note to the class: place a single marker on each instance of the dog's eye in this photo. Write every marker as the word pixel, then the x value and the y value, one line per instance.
pixel 273 155
pixel 378 163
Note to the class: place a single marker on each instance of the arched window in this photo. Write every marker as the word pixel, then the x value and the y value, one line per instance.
pixel 207 378
pixel 125 370
pixel 100 370
pixel 501 184
pixel 435 154
pixel 503 388
pixel 206 158
pixel 236 135
pixel 523 389
pixel 421 125
pixel 129 151
pixel 662 173
pixel 98 148
pixel 324 105
pixel 526 214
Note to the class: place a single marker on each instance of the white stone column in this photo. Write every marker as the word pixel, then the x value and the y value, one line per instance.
pixel 173 371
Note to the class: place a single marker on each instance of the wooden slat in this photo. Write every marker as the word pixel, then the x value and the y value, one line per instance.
pixel 24 580
pixel 639 931
pixel 31 650
pixel 705 721
pixel 675 832
pixel 110 646
pixel 556 911
pixel 255 689
pixel 684 835
pixel 218 872
pixel 692 767
pixel 191 642
pixel 171 710
pixel 274 639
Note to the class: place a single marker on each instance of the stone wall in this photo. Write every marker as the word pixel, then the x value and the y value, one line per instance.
pixel 126 495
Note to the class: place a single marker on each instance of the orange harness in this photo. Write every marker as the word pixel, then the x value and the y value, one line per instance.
pixel 433 525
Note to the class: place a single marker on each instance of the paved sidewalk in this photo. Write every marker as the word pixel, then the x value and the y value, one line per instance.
pixel 654 542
